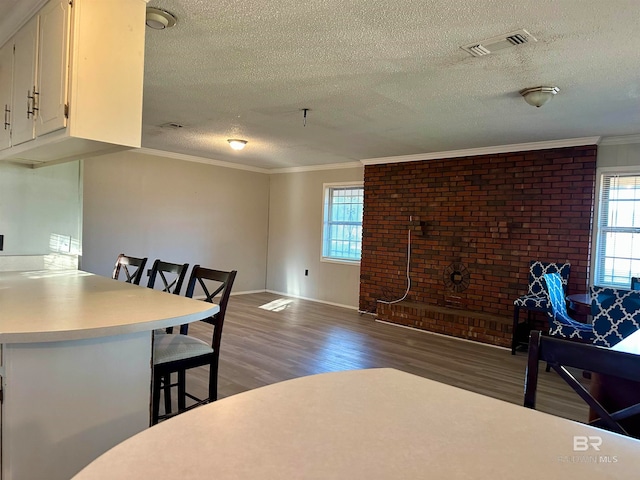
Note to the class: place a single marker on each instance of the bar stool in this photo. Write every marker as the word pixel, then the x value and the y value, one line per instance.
pixel 132 267
pixel 177 353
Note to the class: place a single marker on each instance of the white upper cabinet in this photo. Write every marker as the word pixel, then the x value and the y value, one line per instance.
pixel 53 58
pixel 6 79
pixel 25 50
pixel 77 80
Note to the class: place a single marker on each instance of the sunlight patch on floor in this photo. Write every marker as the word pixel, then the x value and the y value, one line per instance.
pixel 277 305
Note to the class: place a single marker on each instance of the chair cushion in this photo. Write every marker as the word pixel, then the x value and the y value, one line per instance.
pixel 533 302
pixel 171 347
pixel 572 330
pixel 616 314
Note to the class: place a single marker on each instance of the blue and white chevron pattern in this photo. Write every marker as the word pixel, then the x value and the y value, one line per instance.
pixel 536 297
pixel 560 323
pixel 616 314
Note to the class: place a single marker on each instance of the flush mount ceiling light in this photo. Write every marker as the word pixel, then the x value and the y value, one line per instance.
pixel 159 19
pixel 237 144
pixel 538 96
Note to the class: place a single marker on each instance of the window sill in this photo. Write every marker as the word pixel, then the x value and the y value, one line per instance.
pixel 340 261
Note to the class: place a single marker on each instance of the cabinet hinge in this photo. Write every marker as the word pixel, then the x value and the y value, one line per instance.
pixel 66 110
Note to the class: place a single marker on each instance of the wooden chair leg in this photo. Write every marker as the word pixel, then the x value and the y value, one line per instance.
pixel 166 382
pixel 213 382
pixel 531 377
pixel 182 390
pixel 514 339
pixel 155 401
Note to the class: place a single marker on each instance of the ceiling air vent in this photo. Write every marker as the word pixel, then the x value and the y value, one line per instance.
pixel 517 39
pixel 492 45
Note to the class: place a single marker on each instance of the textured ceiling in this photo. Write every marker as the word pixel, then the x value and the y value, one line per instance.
pixel 384 78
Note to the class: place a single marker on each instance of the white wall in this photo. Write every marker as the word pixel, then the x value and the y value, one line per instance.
pixel 619 155
pixel 295 239
pixel 178 211
pixel 40 214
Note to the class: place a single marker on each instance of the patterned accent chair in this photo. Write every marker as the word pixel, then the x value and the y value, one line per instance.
pixel 560 323
pixel 616 314
pixel 536 298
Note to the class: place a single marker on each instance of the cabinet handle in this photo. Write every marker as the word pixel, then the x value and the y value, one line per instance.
pixel 6 117
pixel 31 103
pixel 29 98
pixel 36 101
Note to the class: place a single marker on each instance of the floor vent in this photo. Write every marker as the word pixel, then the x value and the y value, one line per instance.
pixel 494 44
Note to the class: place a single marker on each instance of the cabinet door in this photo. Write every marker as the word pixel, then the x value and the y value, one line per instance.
pixel 24 80
pixel 53 58
pixel 6 77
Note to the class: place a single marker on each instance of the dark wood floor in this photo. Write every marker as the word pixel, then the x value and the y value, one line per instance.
pixel 268 338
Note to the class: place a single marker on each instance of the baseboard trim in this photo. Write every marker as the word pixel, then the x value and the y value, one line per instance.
pixel 349 307
pixel 247 292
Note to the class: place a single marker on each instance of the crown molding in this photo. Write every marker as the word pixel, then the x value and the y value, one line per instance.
pixel 313 168
pixel 221 163
pixel 621 140
pixel 471 152
pixel 193 158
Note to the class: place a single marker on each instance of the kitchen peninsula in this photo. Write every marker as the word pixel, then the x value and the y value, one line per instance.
pixel 76 366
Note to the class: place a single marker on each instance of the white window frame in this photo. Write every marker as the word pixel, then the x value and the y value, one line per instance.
pixel 326 189
pixel 596 264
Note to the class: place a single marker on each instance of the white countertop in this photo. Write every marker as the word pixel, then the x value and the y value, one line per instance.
pixel 366 424
pixel 47 306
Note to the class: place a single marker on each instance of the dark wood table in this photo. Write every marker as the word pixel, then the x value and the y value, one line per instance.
pixel 580 303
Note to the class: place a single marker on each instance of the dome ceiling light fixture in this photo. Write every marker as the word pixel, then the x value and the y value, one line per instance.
pixel 237 144
pixel 538 96
pixel 159 19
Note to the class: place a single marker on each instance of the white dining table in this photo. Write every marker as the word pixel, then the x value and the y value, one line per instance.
pixel 76 366
pixel 617 393
pixel 630 344
pixel 367 424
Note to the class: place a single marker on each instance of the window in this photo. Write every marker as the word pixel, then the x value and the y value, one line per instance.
pixel 617 256
pixel 342 229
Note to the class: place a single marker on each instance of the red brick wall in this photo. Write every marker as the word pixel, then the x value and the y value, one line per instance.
pixel 492 213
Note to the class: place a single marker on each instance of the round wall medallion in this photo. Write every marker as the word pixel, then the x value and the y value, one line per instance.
pixel 456 277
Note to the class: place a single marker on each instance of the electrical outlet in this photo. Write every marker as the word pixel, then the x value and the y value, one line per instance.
pixel 306 273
